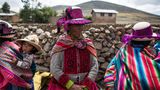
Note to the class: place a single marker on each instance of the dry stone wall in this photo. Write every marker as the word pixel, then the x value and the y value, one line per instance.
pixel 106 38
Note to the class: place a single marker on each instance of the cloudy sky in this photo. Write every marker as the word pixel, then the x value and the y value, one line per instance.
pixel 152 6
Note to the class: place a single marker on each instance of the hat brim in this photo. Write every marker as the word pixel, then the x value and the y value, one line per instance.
pixel 78 21
pixel 38 47
pixel 153 36
pixel 128 37
pixel 8 36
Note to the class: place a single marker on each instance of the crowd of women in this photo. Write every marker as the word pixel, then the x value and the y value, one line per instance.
pixel 74 61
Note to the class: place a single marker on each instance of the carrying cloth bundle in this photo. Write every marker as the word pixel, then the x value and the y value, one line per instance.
pixel 41 80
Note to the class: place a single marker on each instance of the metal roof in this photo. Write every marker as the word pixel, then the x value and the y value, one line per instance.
pixel 104 11
pixel 7 14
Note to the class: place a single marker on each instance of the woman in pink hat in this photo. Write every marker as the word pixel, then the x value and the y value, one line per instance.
pixel 136 66
pixel 74 61
pixel 9 54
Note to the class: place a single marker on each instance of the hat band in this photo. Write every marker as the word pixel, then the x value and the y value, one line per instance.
pixel 143 32
pixel 78 19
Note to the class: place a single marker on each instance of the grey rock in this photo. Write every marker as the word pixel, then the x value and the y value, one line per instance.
pixel 109 38
pixel 97 30
pixel 106 54
pixel 39 31
pixel 102 35
pixel 48 34
pixel 111 50
pixel 85 35
pixel 92 30
pixel 109 45
pixel 47 47
pixel 96 34
pixel 98 45
pixel 101 60
pixel 104 65
pixel 111 27
pixel 107 31
pixel 128 26
pixel 104 49
pixel 42 36
pixel 44 40
pixel 155 28
pixel 102 28
pixel 88 32
pixel 99 39
pixel 105 42
pixel 34 27
pixel 54 31
pixel 15 27
pixel 113 35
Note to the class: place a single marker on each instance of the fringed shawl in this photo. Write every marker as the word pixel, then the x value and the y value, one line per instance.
pixel 64 42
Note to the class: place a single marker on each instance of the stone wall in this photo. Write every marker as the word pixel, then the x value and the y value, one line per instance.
pixel 106 38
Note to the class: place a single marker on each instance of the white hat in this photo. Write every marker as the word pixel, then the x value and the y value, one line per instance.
pixel 33 40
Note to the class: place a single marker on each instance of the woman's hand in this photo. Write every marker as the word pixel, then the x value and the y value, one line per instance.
pixel 15 60
pixel 9 58
pixel 29 86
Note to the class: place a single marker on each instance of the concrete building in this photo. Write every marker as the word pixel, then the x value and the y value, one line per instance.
pixel 104 16
pixel 10 17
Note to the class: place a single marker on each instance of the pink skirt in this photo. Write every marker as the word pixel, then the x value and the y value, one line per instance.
pixel 54 85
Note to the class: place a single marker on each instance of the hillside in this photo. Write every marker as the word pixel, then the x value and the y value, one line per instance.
pixel 125 15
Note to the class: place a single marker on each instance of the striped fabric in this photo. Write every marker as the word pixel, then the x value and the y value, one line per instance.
pixel 9 73
pixel 133 69
pixel 64 42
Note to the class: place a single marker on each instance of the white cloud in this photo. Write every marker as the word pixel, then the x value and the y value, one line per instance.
pixel 61 2
pixel 150 8
pixel 144 5
pixel 142 2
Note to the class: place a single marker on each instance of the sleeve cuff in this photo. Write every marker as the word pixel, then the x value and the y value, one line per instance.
pixel 87 81
pixel 19 63
pixel 63 79
pixel 69 84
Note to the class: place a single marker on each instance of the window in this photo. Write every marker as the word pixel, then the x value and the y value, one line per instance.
pixel 110 14
pixel 102 14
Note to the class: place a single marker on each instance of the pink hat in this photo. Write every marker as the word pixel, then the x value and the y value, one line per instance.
pixel 6 30
pixel 73 15
pixel 141 31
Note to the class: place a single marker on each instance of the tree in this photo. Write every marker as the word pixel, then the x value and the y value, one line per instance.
pixel 39 5
pixel 55 13
pixel 36 14
pixel 47 13
pixel 43 15
pixel 88 17
pixel 25 13
pixel 6 8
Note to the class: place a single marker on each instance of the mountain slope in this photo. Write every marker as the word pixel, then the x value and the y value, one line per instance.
pixel 125 15
pixel 105 5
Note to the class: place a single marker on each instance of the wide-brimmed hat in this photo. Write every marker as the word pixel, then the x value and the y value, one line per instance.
pixel 141 31
pixel 6 30
pixel 31 39
pixel 73 15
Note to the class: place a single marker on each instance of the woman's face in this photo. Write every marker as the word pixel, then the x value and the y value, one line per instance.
pixel 76 30
pixel 26 47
